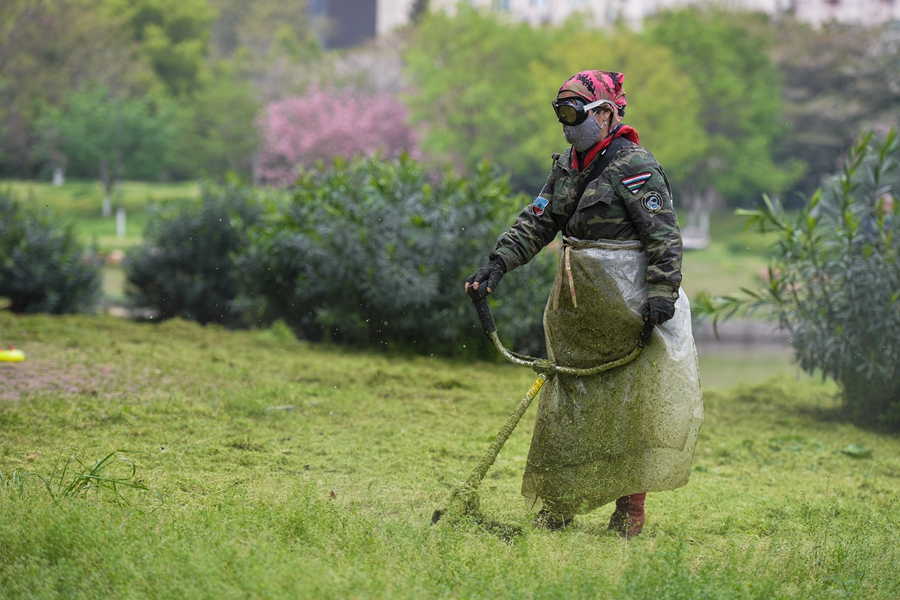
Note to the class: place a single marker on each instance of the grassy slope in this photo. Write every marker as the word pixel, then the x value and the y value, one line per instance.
pixel 332 498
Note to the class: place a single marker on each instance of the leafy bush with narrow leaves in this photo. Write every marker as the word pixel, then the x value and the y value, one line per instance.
pixel 835 282
pixel 43 267
pixel 186 265
pixel 375 253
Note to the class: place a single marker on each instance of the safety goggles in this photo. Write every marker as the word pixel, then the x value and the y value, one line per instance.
pixel 574 111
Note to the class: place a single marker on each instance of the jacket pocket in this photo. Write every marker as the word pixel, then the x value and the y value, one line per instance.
pixel 597 191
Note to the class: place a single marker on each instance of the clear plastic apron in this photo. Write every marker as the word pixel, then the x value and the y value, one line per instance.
pixel 628 430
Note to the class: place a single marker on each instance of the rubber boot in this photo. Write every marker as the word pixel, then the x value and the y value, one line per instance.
pixel 628 518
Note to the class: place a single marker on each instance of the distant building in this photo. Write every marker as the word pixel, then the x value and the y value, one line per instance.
pixel 633 12
pixel 348 22
pixel 863 12
pixel 354 21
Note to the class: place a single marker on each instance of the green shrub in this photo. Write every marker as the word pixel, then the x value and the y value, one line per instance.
pixel 375 253
pixel 835 281
pixel 43 267
pixel 186 265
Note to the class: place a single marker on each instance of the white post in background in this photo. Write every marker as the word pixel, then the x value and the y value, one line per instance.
pixel 59 176
pixel 120 223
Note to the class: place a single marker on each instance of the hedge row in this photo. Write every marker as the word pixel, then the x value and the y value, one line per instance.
pixel 365 252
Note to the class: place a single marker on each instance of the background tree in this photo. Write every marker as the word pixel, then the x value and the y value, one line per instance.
pixel 47 49
pixel 212 72
pixel 726 55
pixel 474 108
pixel 663 103
pixel 110 137
pixel 172 35
pixel 271 44
pixel 838 80
pixel 468 75
pixel 216 135
pixel 325 124
pixel 259 51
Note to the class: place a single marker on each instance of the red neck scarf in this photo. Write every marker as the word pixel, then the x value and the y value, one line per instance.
pixel 625 131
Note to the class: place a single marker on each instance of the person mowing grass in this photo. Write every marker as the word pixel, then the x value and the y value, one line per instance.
pixel 633 429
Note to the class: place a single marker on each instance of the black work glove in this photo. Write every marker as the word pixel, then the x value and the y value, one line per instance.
pixel 659 309
pixel 489 274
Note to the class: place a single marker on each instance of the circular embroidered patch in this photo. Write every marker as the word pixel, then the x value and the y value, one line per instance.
pixel 652 202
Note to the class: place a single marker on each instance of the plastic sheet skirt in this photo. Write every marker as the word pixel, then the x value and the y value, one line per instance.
pixel 631 429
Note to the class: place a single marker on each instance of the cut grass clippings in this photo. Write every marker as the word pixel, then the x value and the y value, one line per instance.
pixel 284 470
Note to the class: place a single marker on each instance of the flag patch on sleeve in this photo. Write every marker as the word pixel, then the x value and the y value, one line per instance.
pixel 634 184
pixel 539 205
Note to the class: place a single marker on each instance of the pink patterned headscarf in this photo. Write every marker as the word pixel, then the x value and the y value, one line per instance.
pixel 597 85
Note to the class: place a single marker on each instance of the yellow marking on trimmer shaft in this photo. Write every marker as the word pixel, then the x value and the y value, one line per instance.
pixel 537 385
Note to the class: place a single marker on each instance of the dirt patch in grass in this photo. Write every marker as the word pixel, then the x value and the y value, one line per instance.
pixel 47 374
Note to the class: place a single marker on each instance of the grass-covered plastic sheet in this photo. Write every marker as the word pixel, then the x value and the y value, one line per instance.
pixel 632 429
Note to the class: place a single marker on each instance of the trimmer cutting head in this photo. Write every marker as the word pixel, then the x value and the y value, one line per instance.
pixel 464 502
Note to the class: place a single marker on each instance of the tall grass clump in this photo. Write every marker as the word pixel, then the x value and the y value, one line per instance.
pixel 186 265
pixel 375 252
pixel 72 477
pixel 43 266
pixel 834 283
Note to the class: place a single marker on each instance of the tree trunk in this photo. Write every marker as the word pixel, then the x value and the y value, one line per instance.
pixel 107 181
pixel 698 203
pixel 120 223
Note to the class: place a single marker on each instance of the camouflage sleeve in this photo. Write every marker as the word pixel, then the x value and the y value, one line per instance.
pixel 648 199
pixel 535 227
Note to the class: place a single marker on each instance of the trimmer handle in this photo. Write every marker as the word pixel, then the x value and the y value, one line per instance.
pixel 479 299
pixel 646 332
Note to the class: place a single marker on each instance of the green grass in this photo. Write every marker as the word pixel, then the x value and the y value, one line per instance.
pixel 736 257
pixel 283 470
pixel 82 201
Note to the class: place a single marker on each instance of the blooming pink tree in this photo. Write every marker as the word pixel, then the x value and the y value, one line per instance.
pixel 324 124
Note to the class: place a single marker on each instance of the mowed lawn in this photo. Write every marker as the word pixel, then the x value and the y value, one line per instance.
pixel 277 469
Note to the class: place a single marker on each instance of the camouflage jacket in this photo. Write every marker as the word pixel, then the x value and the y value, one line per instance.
pixel 630 200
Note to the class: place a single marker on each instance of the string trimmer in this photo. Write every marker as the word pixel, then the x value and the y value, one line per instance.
pixel 464 500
